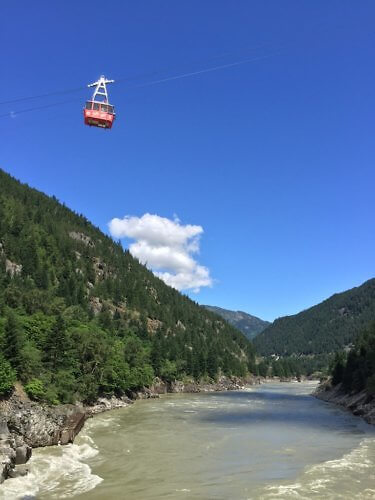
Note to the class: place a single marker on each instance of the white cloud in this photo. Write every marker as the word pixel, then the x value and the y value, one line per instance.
pixel 167 247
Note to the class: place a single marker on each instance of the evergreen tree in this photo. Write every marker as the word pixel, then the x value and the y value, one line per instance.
pixel 212 362
pixel 7 377
pixel 13 340
pixel 338 370
pixel 57 344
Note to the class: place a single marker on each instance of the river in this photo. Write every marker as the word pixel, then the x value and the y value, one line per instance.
pixel 266 442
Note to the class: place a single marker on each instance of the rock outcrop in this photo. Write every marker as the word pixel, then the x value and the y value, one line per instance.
pixel 105 404
pixel 83 238
pixel 7 450
pixel 12 268
pixel 25 425
pixel 360 403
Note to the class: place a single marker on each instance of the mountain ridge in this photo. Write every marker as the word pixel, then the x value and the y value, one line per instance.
pixel 248 324
pixel 323 328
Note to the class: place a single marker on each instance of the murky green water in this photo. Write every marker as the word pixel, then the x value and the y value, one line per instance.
pixel 272 441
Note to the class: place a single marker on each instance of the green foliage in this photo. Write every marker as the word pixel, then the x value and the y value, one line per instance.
pixel 7 377
pixel 35 389
pixel 31 361
pixel 56 344
pixel 370 385
pixel 80 317
pixel 168 370
pixel 324 328
pixel 294 366
pixel 338 368
pixel 356 371
pixel 13 340
pixel 263 368
pixel 249 325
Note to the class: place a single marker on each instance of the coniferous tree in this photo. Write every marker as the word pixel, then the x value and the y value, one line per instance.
pixel 57 344
pixel 13 340
pixel 212 362
pixel 7 377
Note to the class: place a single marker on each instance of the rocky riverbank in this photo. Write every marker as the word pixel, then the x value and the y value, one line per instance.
pixel 25 424
pixel 361 403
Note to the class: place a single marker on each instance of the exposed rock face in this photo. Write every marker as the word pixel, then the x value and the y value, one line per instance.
pixel 7 450
pixel 104 404
pixel 154 294
pixel 12 268
pixel 100 269
pixel 13 451
pixel 153 325
pixel 361 403
pixel 44 426
pixel 82 238
pixel 96 305
pixel 71 426
pixel 25 425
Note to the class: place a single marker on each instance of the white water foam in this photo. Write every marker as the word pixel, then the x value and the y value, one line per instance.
pixel 58 471
pixel 334 479
pixel 103 420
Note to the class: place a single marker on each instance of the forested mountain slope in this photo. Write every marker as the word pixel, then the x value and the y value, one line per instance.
pixel 356 369
pixel 324 328
pixel 246 323
pixel 80 316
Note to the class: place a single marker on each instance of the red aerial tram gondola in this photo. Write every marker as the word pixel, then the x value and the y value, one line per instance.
pixel 99 113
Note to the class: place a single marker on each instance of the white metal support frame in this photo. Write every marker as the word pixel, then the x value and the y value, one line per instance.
pixel 101 88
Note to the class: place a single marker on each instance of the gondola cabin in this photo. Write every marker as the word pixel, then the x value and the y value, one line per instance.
pixel 98 112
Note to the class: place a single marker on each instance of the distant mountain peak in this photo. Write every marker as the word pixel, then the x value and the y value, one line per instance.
pixel 249 325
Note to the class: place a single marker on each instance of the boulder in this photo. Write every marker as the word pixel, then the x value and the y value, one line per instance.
pixel 72 426
pixel 19 471
pixel 23 453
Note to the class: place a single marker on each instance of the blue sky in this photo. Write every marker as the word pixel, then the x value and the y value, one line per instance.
pixel 273 159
